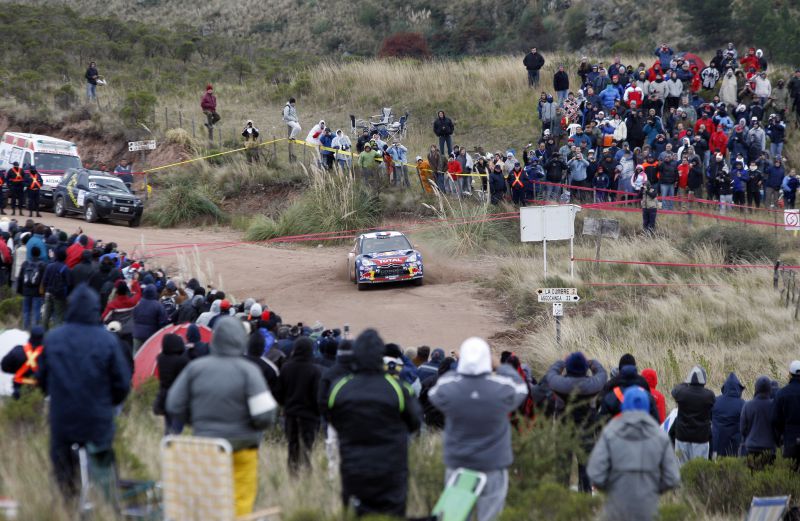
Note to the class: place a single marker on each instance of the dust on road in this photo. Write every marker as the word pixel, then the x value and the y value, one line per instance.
pixel 306 283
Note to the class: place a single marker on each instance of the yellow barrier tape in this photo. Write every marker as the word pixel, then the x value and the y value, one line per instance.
pixel 179 163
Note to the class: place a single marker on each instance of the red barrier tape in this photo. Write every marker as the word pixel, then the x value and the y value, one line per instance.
pixel 646 285
pixel 686 264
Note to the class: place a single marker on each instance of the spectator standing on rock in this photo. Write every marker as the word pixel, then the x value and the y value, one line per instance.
pixel 83 370
pixel 725 418
pixel 298 393
pixel 633 461
pixel 786 415
pixel 533 62
pixel 693 423
pixel 373 415
pixel 755 426
pixel 224 395
pixel 444 128
pixel 91 81
pixel 209 106
pixel 476 403
pixel 570 380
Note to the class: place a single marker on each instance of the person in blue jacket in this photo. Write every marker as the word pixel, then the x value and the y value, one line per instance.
pixel 726 438
pixel 326 141
pixel 664 54
pixel 148 316
pixel 83 370
pixel 608 96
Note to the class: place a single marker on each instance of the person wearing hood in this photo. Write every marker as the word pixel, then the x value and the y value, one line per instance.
pixel 225 396
pixel 547 112
pixel 82 271
pixel 431 367
pixel 225 310
pixel 728 91
pixel 21 361
pixel 726 437
pixel 633 462
pixel 195 347
pixel 373 415
pixel 476 400
pixel 84 371
pixel 205 318
pixel 443 127
pixel 315 133
pixel 170 362
pixel 497 184
pixel 341 142
pixel 786 415
pixel 189 310
pixel 614 389
pixel 693 423
pixel 148 316
pixel 652 383
pixel 717 61
pixel 298 393
pixel 57 283
pixel 570 380
pixel 755 426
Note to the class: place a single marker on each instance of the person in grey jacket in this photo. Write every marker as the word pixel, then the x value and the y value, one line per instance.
pixel 224 395
pixel 633 461
pixel 477 433
pixel 755 425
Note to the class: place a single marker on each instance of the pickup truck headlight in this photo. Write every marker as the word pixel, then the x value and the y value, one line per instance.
pixel 104 198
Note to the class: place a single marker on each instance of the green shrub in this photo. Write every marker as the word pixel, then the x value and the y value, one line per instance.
pixel 10 309
pixel 727 485
pixel 65 97
pixel 575 26
pixel 26 413
pixel 736 243
pixel 675 512
pixel 139 108
pixel 182 204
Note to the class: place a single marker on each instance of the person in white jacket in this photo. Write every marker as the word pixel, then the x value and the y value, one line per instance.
pixel 291 119
pixel 727 91
pixel 620 129
pixel 674 91
pixel 763 87
pixel 315 133
pixel 342 143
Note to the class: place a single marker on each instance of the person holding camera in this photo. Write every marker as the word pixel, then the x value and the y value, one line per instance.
pixel 649 197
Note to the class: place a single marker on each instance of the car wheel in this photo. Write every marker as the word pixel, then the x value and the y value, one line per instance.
pixel 58 208
pixel 90 214
pixel 135 222
pixel 418 282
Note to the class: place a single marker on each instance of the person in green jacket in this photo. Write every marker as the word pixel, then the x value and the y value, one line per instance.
pixel 367 161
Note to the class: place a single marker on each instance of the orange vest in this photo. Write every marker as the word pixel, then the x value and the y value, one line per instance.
pixel 621 398
pixel 516 183
pixel 17 172
pixel 35 184
pixel 24 375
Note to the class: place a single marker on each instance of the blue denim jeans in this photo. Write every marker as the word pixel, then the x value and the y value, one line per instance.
pixel 91 91
pixel 667 190
pixel 31 312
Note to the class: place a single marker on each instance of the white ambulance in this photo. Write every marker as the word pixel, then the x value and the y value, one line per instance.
pixel 51 157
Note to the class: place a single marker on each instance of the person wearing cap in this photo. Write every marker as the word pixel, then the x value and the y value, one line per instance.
pixel 15 179
pixel 786 415
pixel 225 309
pixel 476 400
pixel 633 461
pixel 693 423
pixel 373 415
pixel 224 395
pixel 208 104
pixel 148 316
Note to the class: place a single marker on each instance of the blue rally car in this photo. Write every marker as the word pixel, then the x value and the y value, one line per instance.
pixel 380 257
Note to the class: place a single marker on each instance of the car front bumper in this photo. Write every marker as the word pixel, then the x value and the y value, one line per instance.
pixel 372 275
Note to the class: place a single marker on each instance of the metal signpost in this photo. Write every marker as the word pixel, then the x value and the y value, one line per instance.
pixel 558 296
pixel 599 228
pixel 143 146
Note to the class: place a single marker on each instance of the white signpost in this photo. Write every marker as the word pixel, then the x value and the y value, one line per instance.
pixel 791 220
pixel 558 296
pixel 549 223
pixel 135 146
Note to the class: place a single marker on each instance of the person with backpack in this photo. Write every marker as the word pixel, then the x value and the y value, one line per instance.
pixel 57 283
pixel 148 317
pixel 171 298
pixel 29 285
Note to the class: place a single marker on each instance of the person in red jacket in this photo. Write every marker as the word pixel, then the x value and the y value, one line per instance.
pixel 75 251
pixel 661 404
pixel 708 122
pixel 124 299
pixel 209 106
pixel 453 169
pixel 719 142
pixel 750 61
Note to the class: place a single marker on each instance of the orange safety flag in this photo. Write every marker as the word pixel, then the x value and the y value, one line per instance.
pixel 516 183
pixel 23 374
pixel 35 184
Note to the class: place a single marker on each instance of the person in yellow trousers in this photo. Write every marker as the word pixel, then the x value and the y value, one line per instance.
pixel 224 395
pixel 425 174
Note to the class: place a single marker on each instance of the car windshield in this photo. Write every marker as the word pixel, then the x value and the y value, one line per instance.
pixel 380 245
pixel 54 162
pixel 106 183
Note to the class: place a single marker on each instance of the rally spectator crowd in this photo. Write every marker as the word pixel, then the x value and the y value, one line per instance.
pixel 365 396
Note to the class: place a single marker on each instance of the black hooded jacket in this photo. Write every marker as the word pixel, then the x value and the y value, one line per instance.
pixel 170 363
pixel 373 414
pixel 298 383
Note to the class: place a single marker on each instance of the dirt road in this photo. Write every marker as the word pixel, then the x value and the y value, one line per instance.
pixel 306 283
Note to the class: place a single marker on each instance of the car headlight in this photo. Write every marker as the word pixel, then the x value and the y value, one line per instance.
pixel 414 258
pixel 367 262
pixel 104 198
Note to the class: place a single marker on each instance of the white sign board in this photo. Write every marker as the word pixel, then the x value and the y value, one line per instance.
pixel 558 309
pixel 791 220
pixel 134 146
pixel 548 222
pixel 557 291
pixel 559 298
